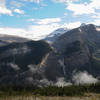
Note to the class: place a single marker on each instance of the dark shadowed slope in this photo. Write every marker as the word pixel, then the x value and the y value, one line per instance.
pixel 20 62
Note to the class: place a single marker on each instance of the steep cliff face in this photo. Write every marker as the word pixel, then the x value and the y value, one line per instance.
pixel 73 52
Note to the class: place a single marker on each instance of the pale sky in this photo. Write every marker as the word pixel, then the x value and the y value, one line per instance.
pixel 35 19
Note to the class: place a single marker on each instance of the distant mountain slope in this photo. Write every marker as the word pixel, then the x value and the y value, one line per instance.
pixel 12 38
pixel 20 62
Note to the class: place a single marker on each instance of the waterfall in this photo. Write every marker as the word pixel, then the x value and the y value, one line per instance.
pixel 61 62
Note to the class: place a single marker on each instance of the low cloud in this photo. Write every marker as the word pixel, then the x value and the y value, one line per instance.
pixel 48 21
pixel 14 66
pixel 13 31
pixel 37 32
pixel 33 68
pixel 61 82
pixel 46 82
pixel 83 78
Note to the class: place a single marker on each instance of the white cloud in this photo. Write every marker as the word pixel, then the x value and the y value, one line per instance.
pixel 85 8
pixel 84 78
pixel 37 31
pixel 72 25
pixel 95 4
pixel 40 31
pixel 34 32
pixel 96 21
pixel 80 9
pixel 48 21
pixel 5 11
pixel 18 11
pixel 3 8
pixel 12 31
pixel 96 16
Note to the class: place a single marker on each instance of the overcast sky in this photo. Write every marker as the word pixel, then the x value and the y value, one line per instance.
pixel 35 19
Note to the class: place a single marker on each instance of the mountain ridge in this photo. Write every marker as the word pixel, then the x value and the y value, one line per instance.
pixel 71 59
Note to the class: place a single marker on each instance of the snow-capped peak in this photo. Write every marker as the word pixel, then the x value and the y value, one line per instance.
pixel 52 36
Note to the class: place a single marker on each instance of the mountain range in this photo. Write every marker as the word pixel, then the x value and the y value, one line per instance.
pixel 72 58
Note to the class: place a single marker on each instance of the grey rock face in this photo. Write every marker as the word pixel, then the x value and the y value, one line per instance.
pixel 74 52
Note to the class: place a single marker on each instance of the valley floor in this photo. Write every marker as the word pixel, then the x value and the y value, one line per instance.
pixel 90 96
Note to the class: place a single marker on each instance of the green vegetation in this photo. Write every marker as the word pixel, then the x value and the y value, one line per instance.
pixel 73 90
